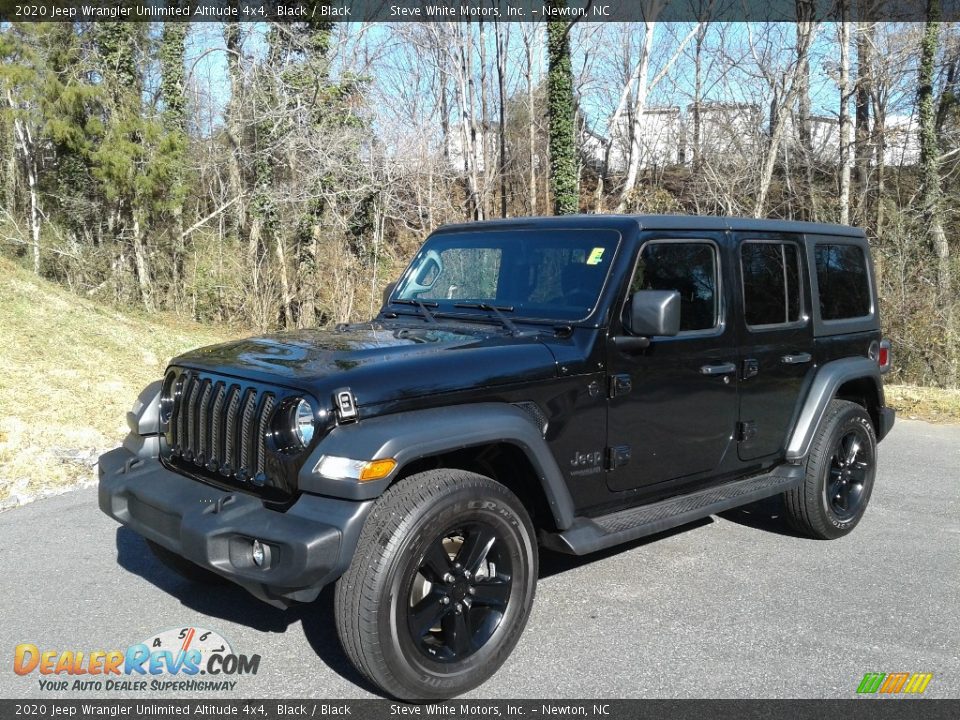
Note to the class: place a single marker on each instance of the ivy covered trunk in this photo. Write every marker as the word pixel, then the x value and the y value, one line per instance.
pixel 560 110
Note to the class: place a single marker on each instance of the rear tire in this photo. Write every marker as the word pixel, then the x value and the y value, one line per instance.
pixel 183 567
pixel 841 468
pixel 440 587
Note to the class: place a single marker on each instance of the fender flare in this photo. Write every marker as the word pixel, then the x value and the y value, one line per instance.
pixel 824 388
pixel 417 434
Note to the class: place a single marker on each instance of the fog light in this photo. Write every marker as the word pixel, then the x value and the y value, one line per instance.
pixel 259 553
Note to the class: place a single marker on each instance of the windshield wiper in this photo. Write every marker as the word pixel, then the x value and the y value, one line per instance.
pixel 507 322
pixel 424 307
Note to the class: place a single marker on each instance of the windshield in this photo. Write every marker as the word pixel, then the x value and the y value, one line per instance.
pixel 536 274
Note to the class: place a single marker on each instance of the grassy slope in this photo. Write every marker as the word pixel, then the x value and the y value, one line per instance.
pixel 70 369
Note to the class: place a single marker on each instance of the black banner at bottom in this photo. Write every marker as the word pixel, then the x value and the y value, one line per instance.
pixel 853 709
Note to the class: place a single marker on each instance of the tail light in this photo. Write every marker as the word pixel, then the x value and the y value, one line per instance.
pixel 885 356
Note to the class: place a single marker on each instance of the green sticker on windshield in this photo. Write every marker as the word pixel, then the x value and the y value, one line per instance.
pixel 596 255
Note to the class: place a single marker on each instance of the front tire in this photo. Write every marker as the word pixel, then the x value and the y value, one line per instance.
pixel 840 473
pixel 440 587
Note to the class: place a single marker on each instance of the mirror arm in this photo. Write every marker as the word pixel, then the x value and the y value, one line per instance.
pixel 631 343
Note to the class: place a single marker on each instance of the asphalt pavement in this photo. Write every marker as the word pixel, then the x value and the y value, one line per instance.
pixel 733 607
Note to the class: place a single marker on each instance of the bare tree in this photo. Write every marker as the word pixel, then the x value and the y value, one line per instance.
pixel 785 87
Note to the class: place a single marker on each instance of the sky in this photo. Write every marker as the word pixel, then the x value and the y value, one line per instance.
pixel 597 60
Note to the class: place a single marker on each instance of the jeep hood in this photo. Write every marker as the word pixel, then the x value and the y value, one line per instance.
pixel 381 363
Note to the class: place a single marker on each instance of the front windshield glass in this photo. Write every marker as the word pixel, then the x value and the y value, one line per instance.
pixel 548 274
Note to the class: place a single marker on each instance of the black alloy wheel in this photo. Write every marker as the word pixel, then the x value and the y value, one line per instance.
pixel 840 471
pixel 850 467
pixel 459 592
pixel 441 585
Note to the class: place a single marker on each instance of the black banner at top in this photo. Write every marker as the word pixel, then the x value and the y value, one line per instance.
pixel 253 11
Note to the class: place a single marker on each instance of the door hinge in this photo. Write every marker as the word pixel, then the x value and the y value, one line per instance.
pixel 620 385
pixel 746 431
pixel 751 368
pixel 617 456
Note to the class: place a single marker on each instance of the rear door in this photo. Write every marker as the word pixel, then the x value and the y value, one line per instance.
pixel 775 337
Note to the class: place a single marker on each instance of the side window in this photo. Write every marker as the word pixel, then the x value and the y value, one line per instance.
pixel 691 269
pixel 842 281
pixel 771 282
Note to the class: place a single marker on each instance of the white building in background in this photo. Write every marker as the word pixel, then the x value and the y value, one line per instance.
pixel 661 140
pixel 728 131
pixel 901 140
pixel 732 132
pixel 455 144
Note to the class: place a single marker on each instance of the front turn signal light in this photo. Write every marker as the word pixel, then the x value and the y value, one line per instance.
pixel 377 469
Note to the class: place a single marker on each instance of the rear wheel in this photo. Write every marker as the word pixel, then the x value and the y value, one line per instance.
pixel 440 587
pixel 183 567
pixel 841 469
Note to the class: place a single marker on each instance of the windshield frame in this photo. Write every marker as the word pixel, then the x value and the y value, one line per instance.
pixel 445 307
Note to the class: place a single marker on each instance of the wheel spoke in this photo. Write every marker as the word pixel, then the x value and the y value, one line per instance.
pixel 842 497
pixel 436 562
pixel 426 614
pixel 852 451
pixel 456 633
pixel 475 548
pixel 494 593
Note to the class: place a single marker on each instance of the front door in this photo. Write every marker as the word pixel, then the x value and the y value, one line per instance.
pixel 775 337
pixel 673 412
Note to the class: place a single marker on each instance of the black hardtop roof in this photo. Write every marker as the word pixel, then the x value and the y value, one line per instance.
pixel 656 222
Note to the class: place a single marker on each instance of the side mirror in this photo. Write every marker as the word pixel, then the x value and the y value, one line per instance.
pixel 654 312
pixel 388 291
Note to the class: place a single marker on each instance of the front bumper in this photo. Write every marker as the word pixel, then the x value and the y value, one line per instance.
pixel 310 545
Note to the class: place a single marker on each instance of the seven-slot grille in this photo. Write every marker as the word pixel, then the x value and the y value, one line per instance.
pixel 221 425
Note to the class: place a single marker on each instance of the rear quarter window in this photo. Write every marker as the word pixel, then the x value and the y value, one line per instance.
pixel 843 281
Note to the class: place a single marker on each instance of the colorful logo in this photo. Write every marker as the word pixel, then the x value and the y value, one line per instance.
pixel 181 652
pixel 910 683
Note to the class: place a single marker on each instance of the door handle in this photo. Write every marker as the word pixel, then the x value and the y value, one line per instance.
pixel 796 358
pixel 720 369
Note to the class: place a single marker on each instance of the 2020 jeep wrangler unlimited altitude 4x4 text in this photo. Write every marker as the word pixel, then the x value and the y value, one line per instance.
pixel 575 382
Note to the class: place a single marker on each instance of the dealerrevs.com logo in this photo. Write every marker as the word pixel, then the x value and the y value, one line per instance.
pixel 170 661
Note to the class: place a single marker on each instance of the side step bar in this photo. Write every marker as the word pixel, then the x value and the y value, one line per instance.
pixel 588 535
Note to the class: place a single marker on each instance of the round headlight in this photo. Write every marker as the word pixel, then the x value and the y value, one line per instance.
pixel 303 423
pixel 172 386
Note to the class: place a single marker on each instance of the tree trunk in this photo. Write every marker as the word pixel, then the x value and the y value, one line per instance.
pixel 286 300
pixel 484 118
pixel 530 43
pixel 25 142
pixel 563 152
pixel 698 95
pixel 503 48
pixel 805 26
pixel 844 30
pixel 639 108
pixel 464 91
pixel 930 188
pixel 142 264
pixel 234 125
pixel 865 39
pixel 778 114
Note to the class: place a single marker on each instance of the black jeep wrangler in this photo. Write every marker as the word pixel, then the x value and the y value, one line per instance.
pixel 571 382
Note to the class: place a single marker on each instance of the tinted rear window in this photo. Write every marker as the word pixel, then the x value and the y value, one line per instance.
pixel 843 281
pixel 771 283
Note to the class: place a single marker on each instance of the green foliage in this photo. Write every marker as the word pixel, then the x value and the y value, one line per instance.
pixel 171 52
pixel 560 110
